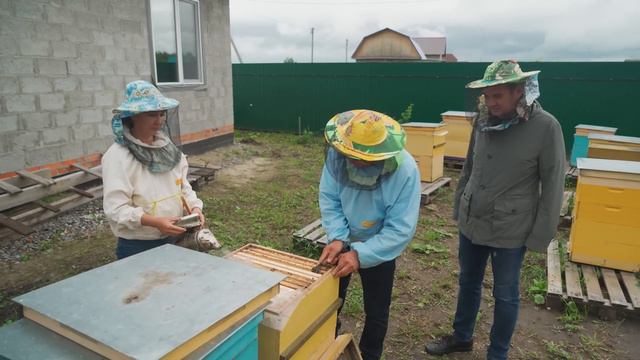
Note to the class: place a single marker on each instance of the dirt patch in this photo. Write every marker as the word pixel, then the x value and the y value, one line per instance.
pixel 254 169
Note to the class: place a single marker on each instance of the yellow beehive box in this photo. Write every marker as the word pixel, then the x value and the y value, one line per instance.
pixel 460 127
pixel 423 138
pixel 426 142
pixel 431 167
pixel 605 230
pixel 300 322
pixel 602 146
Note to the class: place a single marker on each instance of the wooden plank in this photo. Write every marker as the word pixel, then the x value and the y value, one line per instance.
pixel 343 348
pixel 254 247
pixel 434 186
pixel 38 191
pixel 565 203
pixel 81 192
pixel 47 206
pixel 285 261
pixel 22 183
pixel 38 215
pixel 594 293
pixel 613 288
pixel 305 230
pixel 291 281
pixel 304 273
pixel 572 276
pixel 11 189
pixel 323 240
pixel 37 178
pixel 296 278
pixel 631 283
pixel 315 234
pixel 554 274
pixel 15 225
pixel 88 171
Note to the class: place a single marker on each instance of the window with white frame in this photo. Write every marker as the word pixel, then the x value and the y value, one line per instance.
pixel 176 43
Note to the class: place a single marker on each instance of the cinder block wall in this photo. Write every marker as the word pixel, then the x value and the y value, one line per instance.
pixel 63 68
pixel 208 112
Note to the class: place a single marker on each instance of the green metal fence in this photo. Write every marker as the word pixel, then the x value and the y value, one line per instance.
pixel 294 97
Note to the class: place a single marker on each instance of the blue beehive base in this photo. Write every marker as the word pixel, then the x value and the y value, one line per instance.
pixel 580 148
pixel 241 344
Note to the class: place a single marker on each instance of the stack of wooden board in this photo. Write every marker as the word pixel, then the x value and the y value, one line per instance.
pixel 300 322
pixel 165 303
pixel 605 229
pixel 426 141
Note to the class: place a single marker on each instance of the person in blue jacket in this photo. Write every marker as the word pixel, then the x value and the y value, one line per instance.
pixel 369 201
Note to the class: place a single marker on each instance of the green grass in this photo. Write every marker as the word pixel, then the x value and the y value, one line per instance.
pixel 354 303
pixel 557 350
pixel 269 212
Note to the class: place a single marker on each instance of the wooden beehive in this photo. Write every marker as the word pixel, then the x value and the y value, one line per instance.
pixel 580 147
pixel 164 303
pixel 614 147
pixel 607 208
pixel 300 322
pixel 460 127
pixel 426 141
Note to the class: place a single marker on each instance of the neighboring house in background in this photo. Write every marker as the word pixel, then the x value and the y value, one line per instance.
pixel 435 48
pixel 391 45
pixel 64 66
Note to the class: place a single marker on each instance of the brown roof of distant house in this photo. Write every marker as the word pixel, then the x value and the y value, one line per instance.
pixel 450 58
pixel 432 45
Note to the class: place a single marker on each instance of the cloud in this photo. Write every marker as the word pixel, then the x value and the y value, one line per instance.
pixel 550 30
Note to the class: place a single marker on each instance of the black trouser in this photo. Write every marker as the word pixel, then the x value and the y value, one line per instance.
pixel 377 284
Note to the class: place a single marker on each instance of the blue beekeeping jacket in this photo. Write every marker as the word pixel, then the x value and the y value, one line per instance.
pixel 377 223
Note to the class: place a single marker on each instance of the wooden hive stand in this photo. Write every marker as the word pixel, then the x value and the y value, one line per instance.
pixel 430 189
pixel 605 292
pixel 568 199
pixel 313 233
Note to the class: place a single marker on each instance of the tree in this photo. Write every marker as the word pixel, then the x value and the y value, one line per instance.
pixel 289 60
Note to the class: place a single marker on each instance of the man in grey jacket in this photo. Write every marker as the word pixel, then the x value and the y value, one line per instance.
pixel 508 200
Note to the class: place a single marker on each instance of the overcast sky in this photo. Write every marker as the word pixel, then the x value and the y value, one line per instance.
pixel 476 30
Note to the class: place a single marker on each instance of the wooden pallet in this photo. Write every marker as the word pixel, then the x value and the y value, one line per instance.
pixel 21 204
pixel 606 292
pixel 430 189
pixel 454 162
pixel 572 172
pixel 198 175
pixel 565 212
pixel 313 233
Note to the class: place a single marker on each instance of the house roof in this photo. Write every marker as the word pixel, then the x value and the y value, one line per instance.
pixel 432 45
pixel 417 47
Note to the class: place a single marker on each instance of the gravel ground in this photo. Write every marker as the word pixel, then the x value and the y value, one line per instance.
pixel 73 224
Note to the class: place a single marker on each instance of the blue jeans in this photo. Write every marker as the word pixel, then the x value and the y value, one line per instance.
pixel 127 247
pixel 506 264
